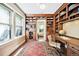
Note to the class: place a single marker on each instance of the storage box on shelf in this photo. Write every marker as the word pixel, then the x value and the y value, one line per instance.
pixel 73 10
pixel 72 6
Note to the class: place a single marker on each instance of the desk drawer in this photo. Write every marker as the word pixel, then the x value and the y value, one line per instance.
pixel 74 50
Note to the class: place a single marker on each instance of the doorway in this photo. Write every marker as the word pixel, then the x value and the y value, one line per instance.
pixel 41 29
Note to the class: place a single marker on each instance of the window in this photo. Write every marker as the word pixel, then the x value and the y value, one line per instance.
pixel 18 25
pixel 5 27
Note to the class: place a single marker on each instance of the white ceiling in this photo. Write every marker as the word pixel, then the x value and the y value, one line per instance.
pixel 34 8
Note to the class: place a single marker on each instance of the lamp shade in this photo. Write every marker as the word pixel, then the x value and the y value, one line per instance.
pixel 62 32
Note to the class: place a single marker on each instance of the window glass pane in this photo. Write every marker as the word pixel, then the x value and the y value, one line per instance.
pixel 18 31
pixel 4 15
pixel 18 20
pixel 5 32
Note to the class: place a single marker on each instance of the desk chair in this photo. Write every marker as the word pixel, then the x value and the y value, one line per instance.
pixel 52 42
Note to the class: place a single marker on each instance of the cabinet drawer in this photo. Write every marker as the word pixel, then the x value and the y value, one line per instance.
pixel 74 54
pixel 74 50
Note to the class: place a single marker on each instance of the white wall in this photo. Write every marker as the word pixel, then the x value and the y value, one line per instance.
pixel 72 28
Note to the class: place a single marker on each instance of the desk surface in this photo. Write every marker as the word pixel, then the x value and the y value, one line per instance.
pixel 68 40
pixel 72 44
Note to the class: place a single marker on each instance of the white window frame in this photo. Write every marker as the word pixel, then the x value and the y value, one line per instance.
pixel 17 25
pixel 10 24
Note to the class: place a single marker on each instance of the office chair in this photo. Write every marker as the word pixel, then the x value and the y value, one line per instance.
pixel 52 42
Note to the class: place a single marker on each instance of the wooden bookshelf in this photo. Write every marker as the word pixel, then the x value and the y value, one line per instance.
pixel 67 12
pixel 49 21
pixel 49 25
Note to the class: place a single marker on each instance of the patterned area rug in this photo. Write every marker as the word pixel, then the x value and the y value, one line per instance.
pixel 35 48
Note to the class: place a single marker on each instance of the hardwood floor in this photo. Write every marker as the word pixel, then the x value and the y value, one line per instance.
pixel 17 50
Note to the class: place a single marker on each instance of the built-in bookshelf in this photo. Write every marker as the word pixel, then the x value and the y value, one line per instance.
pixel 30 22
pixel 49 21
pixel 50 24
pixel 57 22
pixel 30 27
pixel 73 10
pixel 67 12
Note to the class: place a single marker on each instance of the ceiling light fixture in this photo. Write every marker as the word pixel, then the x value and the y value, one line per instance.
pixel 42 6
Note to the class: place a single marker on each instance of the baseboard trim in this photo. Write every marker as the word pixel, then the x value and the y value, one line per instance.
pixel 12 54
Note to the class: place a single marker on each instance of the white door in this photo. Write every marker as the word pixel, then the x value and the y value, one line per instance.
pixel 41 30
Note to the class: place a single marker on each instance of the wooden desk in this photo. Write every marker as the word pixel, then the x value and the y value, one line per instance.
pixel 72 45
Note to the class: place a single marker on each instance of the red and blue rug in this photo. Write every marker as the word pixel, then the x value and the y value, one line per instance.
pixel 35 48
